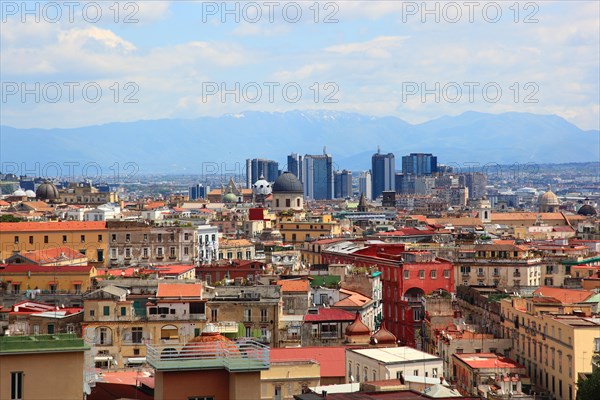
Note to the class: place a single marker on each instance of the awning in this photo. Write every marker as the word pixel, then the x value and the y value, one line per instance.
pixel 15 283
pixel 103 358
pixel 136 360
pixel 53 283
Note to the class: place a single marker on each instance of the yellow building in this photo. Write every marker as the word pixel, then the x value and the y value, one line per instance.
pixel 48 279
pixel 88 238
pixel 42 367
pixel 284 379
pixel 119 330
pixel 301 231
pixel 554 348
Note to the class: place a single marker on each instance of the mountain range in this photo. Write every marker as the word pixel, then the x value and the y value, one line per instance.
pixel 183 145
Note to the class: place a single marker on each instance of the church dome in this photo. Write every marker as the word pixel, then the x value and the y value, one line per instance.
pixel 19 192
pixel 230 198
pixel 383 336
pixel 587 210
pixel 287 183
pixel 30 193
pixel 47 191
pixel 357 328
pixel 548 199
pixel 262 187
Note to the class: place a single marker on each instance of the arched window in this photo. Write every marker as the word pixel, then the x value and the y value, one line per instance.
pixel 169 332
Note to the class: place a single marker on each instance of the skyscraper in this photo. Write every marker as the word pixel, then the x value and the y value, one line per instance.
pixel 342 182
pixel 383 169
pixel 294 165
pixel 419 164
pixel 198 192
pixel 364 184
pixel 476 182
pixel 318 176
pixel 257 167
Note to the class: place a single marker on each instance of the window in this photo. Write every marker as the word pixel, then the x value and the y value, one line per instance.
pixel 123 311
pixel 30 239
pixel 249 254
pixel 92 313
pixel 50 329
pixel 99 238
pixel 16 288
pixel 416 314
pixel 597 345
pixel 128 253
pixel 264 315
pixel 106 310
pixel 128 237
pixel 186 236
pixel 16 240
pixel 77 288
pixel 421 274
pixel 248 315
pixel 434 372
pixel 159 252
pixel 159 237
pixel 214 313
pixel 53 288
pixel 186 251
pixel 406 274
pixel 145 252
pixel 229 255
pixel 459 351
pixel 113 237
pixel 172 252
pixel 433 274
pixel 82 238
pixel 16 385
pixel 349 369
pixel 136 334
pixel 416 372
pixel 145 237
pixel 172 237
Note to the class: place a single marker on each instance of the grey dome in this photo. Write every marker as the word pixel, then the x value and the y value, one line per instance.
pixel 586 210
pixel 287 183
pixel 47 191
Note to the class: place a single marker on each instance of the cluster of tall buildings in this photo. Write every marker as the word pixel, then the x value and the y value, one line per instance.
pixel 420 175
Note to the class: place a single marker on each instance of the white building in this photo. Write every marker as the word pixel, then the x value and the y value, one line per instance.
pixel 384 363
pixel 207 243
pixel 103 212
pixel 365 185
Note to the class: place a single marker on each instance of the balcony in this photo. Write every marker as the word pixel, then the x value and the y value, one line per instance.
pixel 246 355
pixel 177 317
pixel 327 335
pixel 226 326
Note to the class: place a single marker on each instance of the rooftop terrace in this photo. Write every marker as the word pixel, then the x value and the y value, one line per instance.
pixel 41 343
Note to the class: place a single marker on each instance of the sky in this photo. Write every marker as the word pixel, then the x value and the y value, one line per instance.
pixel 71 64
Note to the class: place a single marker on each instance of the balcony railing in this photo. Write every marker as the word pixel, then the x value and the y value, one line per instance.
pixel 243 355
pixel 176 317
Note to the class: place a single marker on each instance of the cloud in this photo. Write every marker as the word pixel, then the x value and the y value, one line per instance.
pixel 379 47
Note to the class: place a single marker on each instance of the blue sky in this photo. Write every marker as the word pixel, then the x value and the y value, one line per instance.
pixel 379 58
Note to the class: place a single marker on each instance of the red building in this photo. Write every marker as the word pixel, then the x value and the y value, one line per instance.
pixel 230 269
pixel 406 277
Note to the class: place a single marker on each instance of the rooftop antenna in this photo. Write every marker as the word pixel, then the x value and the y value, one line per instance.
pixel 378 149
pixel 325 150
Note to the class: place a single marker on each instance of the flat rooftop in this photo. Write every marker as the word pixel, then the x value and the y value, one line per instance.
pixel 396 355
pixel 65 342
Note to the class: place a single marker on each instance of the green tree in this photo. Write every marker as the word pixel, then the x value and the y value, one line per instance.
pixel 590 388
pixel 9 218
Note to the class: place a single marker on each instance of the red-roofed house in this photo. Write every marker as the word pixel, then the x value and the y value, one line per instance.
pixel 474 369
pixel 176 271
pixel 325 326
pixel 33 318
pixel 295 294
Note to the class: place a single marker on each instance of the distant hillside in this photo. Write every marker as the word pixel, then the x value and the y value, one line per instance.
pixel 180 145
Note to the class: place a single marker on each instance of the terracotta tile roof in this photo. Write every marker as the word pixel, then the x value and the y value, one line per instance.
pixel 354 299
pixel 329 314
pixel 4 203
pixel 179 290
pixel 487 360
pixel 331 359
pixel 174 269
pixel 566 296
pixel 34 269
pixel 52 226
pixel 53 254
pixel 509 216
pixel 294 285
pixel 224 243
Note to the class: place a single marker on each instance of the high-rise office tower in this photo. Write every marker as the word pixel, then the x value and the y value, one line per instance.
pixel 294 165
pixel 419 164
pixel 257 167
pixel 383 170
pixel 342 182
pixel 364 184
pixel 198 192
pixel 318 176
